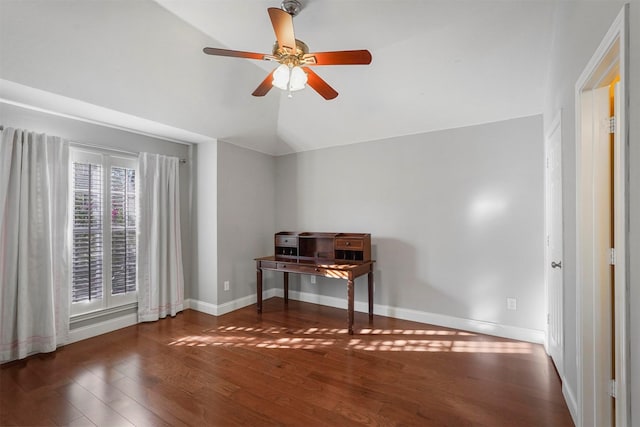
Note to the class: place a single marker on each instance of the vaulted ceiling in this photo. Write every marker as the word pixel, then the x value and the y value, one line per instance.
pixel 436 64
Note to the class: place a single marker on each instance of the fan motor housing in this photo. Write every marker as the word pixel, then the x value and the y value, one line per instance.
pixel 290 58
pixel 292 7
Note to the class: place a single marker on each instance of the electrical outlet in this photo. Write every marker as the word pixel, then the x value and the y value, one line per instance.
pixel 313 280
pixel 511 304
pixel 226 285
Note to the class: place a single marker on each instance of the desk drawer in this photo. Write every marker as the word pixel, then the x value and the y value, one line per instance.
pixel 287 241
pixel 293 266
pixel 304 269
pixel 268 264
pixel 315 271
pixel 349 244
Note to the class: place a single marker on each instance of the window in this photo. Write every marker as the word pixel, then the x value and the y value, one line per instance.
pixel 103 258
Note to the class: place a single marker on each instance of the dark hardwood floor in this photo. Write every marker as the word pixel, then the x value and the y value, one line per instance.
pixel 295 366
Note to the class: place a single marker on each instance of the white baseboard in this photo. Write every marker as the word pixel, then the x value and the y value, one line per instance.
pixel 505 331
pixel 488 328
pixel 478 326
pixel 228 307
pixel 100 328
pixel 571 401
pixel 120 322
pixel 201 306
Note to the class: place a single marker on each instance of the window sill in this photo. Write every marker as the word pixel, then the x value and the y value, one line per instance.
pixel 83 317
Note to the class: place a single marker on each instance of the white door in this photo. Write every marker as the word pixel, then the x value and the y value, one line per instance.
pixel 553 257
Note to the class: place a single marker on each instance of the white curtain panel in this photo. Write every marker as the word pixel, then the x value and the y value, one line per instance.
pixel 34 251
pixel 160 271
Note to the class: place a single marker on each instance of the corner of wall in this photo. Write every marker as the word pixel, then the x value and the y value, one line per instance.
pixel 205 284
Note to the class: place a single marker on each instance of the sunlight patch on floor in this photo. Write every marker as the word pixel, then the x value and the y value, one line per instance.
pixel 442 346
pixel 395 340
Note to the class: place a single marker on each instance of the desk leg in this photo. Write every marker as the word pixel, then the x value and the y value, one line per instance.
pixel 286 287
pixel 259 289
pixel 350 303
pixel 370 277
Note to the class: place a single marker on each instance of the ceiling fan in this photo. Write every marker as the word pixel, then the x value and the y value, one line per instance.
pixel 294 73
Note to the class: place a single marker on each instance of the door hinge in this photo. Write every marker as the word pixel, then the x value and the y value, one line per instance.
pixel 548 318
pixel 612 256
pixel 612 124
pixel 612 388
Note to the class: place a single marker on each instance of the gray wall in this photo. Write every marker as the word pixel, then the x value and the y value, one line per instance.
pixel 246 217
pixel 456 217
pixel 205 283
pixel 88 133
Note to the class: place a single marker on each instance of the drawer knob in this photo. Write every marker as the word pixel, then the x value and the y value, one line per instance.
pixel 348 243
pixel 317 269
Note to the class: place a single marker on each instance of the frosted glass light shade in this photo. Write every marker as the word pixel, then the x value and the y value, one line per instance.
pixel 298 79
pixel 290 79
pixel 281 77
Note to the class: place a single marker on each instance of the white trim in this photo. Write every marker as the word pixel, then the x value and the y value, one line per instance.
pixel 572 403
pixel 470 325
pixel 39 100
pixel 488 328
pixel 201 306
pixel 228 307
pixel 599 71
pixel 79 318
pixel 505 331
pixel 100 328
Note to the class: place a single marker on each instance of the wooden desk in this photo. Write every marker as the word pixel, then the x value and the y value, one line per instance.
pixel 327 268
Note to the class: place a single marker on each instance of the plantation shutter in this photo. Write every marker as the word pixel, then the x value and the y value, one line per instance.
pixel 104 253
pixel 87 266
pixel 123 230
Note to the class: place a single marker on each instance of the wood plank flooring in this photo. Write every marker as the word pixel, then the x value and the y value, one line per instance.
pixel 292 366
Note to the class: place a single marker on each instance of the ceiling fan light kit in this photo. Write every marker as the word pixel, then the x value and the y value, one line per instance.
pixel 289 78
pixel 294 58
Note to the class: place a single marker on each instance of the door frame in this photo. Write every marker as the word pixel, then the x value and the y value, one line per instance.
pixel 610 58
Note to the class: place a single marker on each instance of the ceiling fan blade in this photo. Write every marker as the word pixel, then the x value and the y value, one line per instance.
pixel 319 85
pixel 341 57
pixel 265 86
pixel 234 53
pixel 283 27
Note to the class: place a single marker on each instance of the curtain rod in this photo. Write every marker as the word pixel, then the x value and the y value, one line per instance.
pixel 82 144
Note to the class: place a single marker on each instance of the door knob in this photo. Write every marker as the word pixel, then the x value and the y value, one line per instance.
pixel 556 264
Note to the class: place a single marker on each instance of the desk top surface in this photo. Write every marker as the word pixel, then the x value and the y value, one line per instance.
pixel 331 264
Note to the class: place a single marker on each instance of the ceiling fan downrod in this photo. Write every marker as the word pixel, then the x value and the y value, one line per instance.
pixel 292 7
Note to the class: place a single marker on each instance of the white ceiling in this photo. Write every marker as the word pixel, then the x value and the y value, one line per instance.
pixel 436 64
